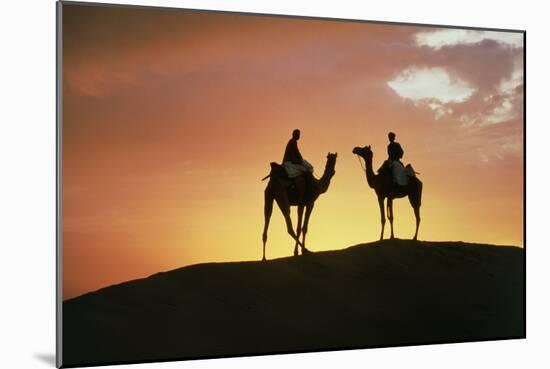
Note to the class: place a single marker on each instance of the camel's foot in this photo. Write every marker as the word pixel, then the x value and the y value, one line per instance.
pixel 305 251
pixel 295 252
pixel 263 259
pixel 392 237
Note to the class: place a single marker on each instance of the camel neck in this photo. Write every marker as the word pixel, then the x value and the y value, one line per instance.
pixel 324 182
pixel 370 173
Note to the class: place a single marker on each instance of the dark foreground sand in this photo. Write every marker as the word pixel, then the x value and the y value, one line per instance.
pixel 379 294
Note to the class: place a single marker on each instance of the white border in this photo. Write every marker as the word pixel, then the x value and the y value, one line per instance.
pixel 27 189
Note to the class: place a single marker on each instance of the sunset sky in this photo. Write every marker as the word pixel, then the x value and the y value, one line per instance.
pixel 170 119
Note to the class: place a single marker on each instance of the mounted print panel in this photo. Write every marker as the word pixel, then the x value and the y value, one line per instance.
pixel 245 184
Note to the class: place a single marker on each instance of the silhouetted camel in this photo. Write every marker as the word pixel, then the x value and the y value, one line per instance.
pixel 278 189
pixel 385 188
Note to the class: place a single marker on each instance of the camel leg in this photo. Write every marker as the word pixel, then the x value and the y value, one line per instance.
pixel 390 216
pixel 299 227
pixel 417 216
pixel 309 209
pixel 382 216
pixel 415 198
pixel 268 209
pixel 284 205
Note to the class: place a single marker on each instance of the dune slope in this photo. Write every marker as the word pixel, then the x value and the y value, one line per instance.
pixel 392 292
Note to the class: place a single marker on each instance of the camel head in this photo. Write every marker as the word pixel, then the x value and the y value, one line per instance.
pixel 331 164
pixel 364 152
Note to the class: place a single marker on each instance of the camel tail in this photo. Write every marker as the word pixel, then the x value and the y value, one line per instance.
pixel 266 177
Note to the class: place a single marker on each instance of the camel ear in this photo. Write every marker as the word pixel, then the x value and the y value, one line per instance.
pixel 335 154
pixel 368 147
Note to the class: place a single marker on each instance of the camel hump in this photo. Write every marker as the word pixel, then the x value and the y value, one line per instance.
pixel 277 170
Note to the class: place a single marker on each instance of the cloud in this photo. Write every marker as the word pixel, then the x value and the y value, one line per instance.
pixel 502 104
pixel 470 78
pixel 432 87
pixel 500 113
pixel 452 37
pixel 430 83
pixel 515 80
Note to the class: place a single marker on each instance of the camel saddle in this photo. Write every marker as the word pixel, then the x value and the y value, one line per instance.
pixel 399 173
pixel 295 186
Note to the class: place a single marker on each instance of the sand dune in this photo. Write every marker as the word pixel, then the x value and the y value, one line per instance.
pixel 378 294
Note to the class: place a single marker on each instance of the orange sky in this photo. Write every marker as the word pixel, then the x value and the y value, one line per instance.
pixel 170 120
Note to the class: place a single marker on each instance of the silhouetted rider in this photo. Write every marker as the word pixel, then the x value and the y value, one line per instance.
pixel 395 152
pixel 394 164
pixel 292 153
pixel 293 162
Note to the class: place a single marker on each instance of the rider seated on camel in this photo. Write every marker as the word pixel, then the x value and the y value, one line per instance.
pixel 294 164
pixel 394 164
